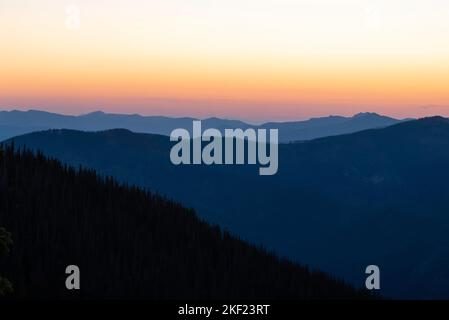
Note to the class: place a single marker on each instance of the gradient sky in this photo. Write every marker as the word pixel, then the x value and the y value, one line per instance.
pixel 249 59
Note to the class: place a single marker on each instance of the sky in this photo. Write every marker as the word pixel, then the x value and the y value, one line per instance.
pixel 249 59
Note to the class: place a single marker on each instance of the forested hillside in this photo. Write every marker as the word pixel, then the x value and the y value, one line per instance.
pixel 129 243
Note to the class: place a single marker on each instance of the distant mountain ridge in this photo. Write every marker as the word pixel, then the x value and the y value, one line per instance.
pixel 13 123
pixel 340 203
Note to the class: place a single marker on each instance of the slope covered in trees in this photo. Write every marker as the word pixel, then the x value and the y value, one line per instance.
pixel 129 243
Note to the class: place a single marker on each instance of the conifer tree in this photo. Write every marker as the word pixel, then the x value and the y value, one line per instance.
pixel 5 243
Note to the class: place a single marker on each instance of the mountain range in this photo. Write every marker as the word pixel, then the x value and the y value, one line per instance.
pixel 13 123
pixel 340 203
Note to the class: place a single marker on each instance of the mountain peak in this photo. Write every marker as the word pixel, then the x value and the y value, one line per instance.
pixel 95 113
pixel 434 119
pixel 366 114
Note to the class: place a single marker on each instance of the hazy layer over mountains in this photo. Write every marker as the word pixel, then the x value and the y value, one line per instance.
pixel 339 203
pixel 13 123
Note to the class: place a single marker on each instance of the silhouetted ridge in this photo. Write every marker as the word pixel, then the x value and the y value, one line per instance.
pixel 117 131
pixel 129 243
pixel 14 123
pixel 94 113
pixel 434 120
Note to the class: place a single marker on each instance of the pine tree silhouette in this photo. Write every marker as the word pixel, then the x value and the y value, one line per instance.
pixel 5 243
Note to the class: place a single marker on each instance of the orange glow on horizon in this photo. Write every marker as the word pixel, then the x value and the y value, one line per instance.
pixel 253 72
